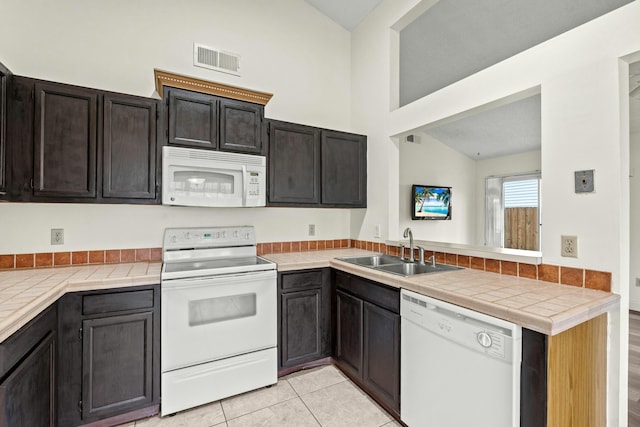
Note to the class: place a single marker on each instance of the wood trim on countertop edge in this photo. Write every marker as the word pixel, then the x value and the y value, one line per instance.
pixel 577 387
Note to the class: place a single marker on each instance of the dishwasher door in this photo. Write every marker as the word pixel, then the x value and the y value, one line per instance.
pixel 459 368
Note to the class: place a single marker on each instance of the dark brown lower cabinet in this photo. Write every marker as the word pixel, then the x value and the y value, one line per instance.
pixel 304 309
pixel 109 355
pixel 28 374
pixel 349 333
pixel 367 346
pixel 381 353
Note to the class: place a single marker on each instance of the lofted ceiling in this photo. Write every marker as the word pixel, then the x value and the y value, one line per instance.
pixel 500 131
pixel 454 39
pixel 348 13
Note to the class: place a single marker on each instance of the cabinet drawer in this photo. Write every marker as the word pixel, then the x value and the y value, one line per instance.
pixel 375 293
pixel 104 303
pixel 307 279
pixel 26 338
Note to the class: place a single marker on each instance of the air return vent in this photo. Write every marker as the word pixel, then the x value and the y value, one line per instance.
pixel 215 59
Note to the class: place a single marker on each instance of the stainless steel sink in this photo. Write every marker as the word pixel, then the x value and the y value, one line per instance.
pixel 395 265
pixel 373 260
pixel 409 269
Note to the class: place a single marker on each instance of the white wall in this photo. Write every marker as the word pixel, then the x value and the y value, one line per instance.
pixel 433 163
pixel 498 166
pixel 287 47
pixel 634 187
pixel 583 127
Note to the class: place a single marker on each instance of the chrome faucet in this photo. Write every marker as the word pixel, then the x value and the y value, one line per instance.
pixel 420 255
pixel 409 234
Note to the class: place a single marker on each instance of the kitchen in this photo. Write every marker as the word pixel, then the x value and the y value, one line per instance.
pixel 323 76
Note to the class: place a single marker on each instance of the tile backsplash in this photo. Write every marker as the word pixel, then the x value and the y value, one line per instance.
pixel 592 279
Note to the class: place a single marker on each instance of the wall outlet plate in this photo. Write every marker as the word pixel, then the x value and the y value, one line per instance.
pixel 569 246
pixel 312 229
pixel 57 236
pixel 584 181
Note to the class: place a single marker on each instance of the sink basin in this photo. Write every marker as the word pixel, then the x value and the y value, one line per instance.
pixel 395 265
pixel 409 269
pixel 373 261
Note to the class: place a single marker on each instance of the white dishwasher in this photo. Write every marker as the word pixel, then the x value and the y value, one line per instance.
pixel 459 368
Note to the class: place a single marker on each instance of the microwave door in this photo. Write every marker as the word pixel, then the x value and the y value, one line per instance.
pixel 194 186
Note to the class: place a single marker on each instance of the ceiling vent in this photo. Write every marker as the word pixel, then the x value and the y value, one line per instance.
pixel 215 59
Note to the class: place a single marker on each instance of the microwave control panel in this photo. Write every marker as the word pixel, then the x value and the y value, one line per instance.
pixel 253 189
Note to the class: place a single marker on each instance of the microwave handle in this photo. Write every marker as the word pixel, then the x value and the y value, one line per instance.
pixel 245 185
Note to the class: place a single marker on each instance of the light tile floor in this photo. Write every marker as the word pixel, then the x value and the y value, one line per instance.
pixel 317 397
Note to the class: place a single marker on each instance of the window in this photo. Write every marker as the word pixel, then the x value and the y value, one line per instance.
pixel 512 218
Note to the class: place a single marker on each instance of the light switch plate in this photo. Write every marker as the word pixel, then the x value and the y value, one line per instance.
pixel 584 181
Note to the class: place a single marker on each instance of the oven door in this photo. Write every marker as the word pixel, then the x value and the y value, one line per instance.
pixel 206 319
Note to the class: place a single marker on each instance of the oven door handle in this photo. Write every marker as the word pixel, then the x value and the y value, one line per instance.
pixel 214 280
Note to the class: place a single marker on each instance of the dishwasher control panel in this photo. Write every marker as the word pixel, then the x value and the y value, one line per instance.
pixel 477 331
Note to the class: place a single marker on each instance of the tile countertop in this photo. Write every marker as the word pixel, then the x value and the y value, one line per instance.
pixel 26 293
pixel 541 306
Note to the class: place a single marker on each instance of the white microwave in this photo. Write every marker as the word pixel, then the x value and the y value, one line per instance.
pixel 195 177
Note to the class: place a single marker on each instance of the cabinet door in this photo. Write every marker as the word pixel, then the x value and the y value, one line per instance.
pixel 192 119
pixel 117 364
pixel 381 364
pixel 241 126
pixel 349 333
pixel 27 394
pixel 302 327
pixel 344 169
pixel 65 141
pixel 3 121
pixel 294 164
pixel 129 147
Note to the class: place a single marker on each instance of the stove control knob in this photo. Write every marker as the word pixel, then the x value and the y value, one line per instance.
pixel 247 236
pixel 484 339
pixel 223 234
pixel 236 233
pixel 187 235
pixel 174 239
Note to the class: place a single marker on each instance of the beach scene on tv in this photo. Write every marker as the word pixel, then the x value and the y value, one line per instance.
pixel 431 202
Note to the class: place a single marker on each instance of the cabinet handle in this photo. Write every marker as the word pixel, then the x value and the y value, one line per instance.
pixel 31 184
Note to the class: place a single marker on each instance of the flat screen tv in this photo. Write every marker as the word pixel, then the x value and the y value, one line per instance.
pixel 430 202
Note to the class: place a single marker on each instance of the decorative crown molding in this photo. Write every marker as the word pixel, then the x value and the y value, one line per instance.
pixel 165 78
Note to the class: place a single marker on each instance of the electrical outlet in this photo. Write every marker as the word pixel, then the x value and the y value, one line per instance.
pixel 376 233
pixel 569 246
pixel 57 236
pixel 312 229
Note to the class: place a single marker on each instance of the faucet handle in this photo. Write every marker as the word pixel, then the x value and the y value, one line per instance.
pixel 402 252
pixel 420 254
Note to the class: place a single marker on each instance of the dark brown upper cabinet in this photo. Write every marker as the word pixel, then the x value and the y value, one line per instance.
pixel 75 144
pixel 344 169
pixel 310 166
pixel 129 147
pixel 4 77
pixel 193 119
pixel 294 164
pixel 200 120
pixel 65 142
pixel 241 126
